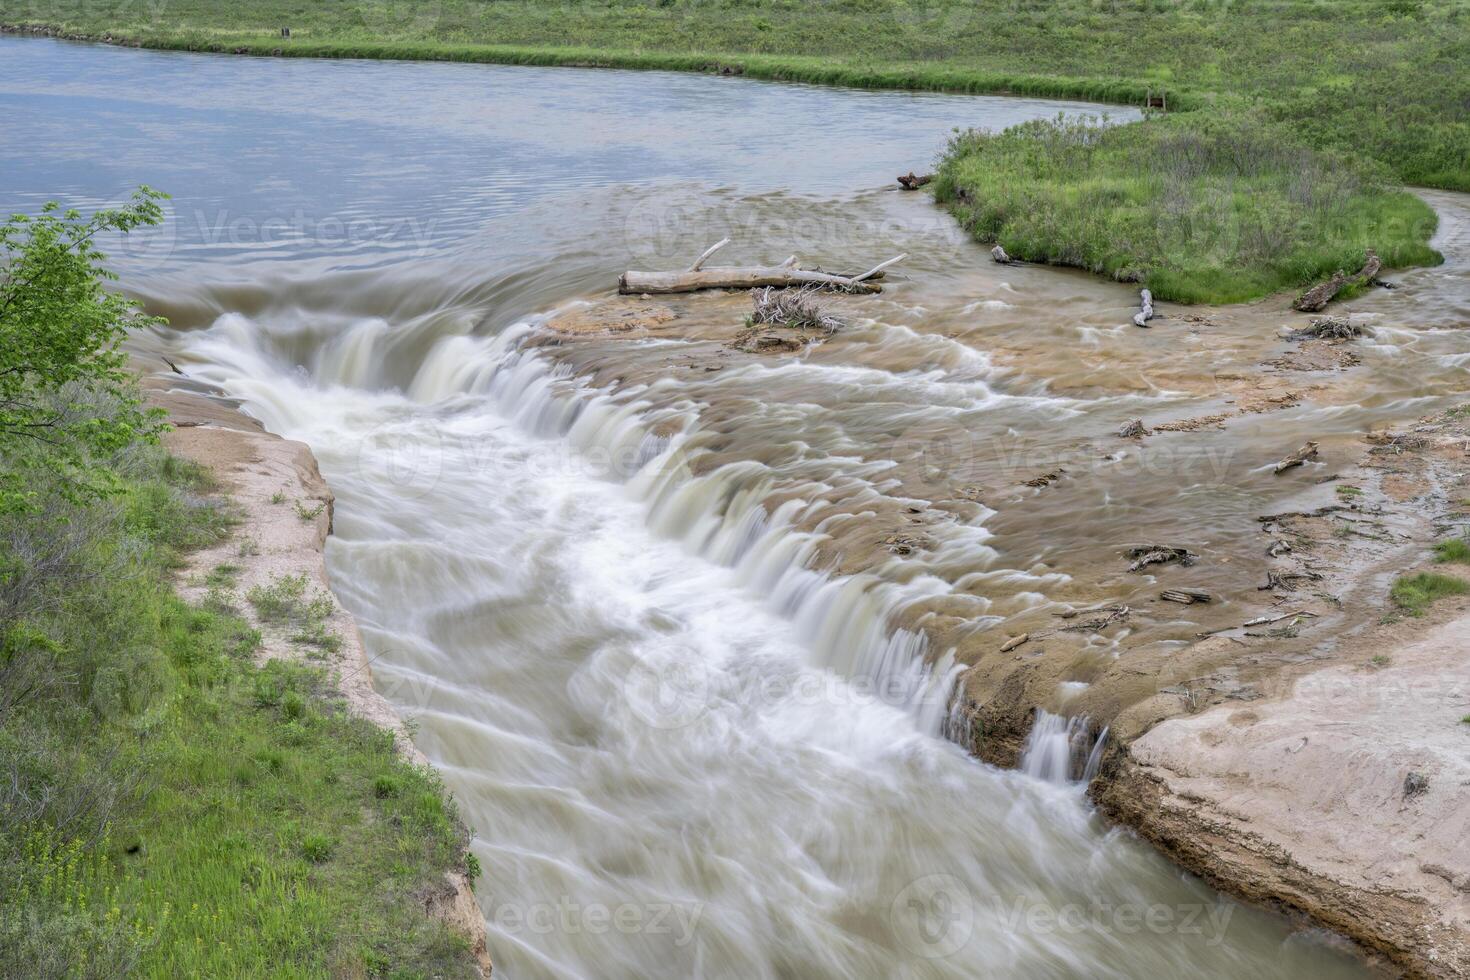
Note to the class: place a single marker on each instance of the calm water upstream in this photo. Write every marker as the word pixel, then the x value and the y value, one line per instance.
pixel 594 573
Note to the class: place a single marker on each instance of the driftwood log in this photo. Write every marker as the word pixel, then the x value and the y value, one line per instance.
pixel 1309 451
pixel 788 273
pixel 1316 298
pixel 1186 596
pixel 1145 308
pixel 912 182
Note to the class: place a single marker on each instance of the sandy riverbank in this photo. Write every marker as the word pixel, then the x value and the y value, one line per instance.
pixel 285 512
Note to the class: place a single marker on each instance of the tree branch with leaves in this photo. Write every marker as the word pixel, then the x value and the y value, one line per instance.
pixel 67 400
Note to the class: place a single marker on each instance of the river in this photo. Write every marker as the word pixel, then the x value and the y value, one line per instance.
pixel 640 595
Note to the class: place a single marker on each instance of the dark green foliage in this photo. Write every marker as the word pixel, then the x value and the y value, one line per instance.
pixel 66 399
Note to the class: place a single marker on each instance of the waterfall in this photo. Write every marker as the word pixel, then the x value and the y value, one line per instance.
pixel 1058 746
pixel 720 515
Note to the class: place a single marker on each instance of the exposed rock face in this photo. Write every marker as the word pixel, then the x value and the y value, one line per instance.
pixel 1346 799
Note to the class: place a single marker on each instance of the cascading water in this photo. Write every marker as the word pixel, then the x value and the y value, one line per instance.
pixel 650 704
pixel 1062 750
pixel 612 608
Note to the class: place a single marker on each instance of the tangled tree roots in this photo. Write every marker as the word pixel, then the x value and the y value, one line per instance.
pixel 795 308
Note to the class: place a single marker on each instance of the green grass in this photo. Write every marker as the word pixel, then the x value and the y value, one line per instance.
pixel 169 808
pixel 1455 550
pixel 1200 207
pixel 1342 102
pixel 1415 593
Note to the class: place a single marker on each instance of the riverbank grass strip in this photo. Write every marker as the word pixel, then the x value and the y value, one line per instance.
pixel 1200 209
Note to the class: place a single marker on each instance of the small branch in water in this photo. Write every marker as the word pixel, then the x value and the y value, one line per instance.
pixel 699 262
pixel 1309 451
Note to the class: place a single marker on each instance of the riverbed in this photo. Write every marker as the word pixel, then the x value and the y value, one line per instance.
pixel 681 626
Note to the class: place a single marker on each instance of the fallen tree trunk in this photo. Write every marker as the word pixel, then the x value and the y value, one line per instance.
pixel 1146 308
pixel 912 182
pixel 1314 299
pixel 696 277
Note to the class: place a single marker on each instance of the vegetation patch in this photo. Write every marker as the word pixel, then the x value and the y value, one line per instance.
pixel 1416 593
pixel 1210 208
pixel 167 807
pixel 1455 550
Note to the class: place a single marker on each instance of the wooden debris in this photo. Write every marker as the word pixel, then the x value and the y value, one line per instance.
pixel 1158 554
pixel 1146 308
pixel 1309 451
pixel 999 255
pixel 1286 581
pixel 1014 642
pixel 1330 328
pixel 795 308
pixel 1115 613
pixel 1133 430
pixel 1319 512
pixel 1316 298
pixel 1258 621
pixel 1186 596
pixel 696 277
pixel 911 182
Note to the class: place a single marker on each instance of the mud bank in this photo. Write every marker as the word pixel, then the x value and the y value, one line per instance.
pixel 285 512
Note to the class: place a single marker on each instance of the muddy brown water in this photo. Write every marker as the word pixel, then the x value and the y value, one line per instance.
pixel 682 626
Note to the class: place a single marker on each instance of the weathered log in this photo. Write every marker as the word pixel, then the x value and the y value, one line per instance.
pixel 1309 451
pixel 1316 298
pixel 1014 642
pixel 696 277
pixel 912 182
pixel 1186 596
pixel 1146 308
pixel 1000 256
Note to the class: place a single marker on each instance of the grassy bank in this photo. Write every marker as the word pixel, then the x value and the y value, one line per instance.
pixel 167 806
pixel 1210 207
